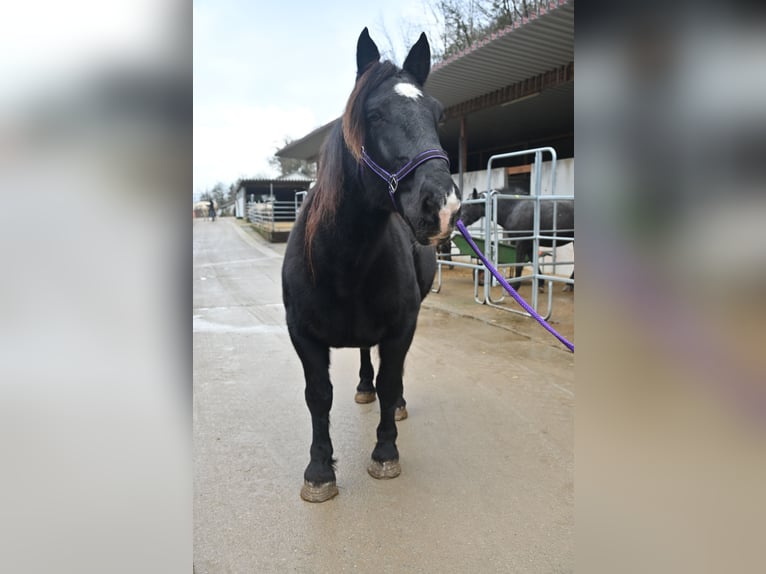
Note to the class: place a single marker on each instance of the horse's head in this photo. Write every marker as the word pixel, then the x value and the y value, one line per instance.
pixel 476 208
pixel 472 212
pixel 390 127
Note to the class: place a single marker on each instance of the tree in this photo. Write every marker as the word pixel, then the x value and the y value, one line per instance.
pixel 461 23
pixel 217 193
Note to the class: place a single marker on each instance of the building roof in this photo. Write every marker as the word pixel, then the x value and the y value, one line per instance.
pixel 523 50
pixel 515 88
pixel 295 176
pixel 308 146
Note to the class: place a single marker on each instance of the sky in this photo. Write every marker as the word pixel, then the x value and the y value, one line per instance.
pixel 264 71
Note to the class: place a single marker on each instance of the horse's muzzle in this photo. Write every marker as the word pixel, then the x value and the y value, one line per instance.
pixel 447 216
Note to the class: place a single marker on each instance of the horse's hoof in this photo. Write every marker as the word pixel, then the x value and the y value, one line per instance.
pixel 318 492
pixel 400 413
pixel 386 469
pixel 364 397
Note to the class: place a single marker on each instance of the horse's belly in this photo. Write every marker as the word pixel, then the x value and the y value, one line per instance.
pixel 361 325
pixel 350 330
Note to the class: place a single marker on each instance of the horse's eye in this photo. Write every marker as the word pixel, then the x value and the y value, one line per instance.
pixel 374 116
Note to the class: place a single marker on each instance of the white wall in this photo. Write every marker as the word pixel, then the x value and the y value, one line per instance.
pixel 478 180
pixel 564 177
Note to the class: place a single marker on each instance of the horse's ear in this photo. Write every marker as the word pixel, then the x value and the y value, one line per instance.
pixel 418 61
pixel 475 194
pixel 366 52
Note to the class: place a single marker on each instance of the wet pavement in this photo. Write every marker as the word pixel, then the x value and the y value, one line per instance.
pixel 486 453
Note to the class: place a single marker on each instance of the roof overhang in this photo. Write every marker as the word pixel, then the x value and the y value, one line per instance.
pixel 275 184
pixel 307 148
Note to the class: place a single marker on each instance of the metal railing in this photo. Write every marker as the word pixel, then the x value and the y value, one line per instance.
pixel 271 215
pixel 496 234
pixel 300 197
pixel 493 237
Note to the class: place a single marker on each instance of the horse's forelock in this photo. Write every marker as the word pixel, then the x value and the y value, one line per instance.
pixel 353 117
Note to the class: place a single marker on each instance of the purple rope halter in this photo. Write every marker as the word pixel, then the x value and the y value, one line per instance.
pixel 393 179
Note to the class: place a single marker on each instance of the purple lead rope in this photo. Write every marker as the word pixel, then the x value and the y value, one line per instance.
pixel 510 289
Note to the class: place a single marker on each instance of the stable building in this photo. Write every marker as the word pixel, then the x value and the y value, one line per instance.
pixel 282 189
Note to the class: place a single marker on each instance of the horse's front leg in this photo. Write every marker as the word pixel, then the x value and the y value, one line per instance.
pixel 385 456
pixel 319 477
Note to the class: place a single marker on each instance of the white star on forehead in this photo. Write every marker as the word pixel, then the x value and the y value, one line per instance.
pixel 408 90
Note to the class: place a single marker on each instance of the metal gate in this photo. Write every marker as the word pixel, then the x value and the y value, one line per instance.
pixel 495 240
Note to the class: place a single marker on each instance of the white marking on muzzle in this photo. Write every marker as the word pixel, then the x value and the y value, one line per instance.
pixel 451 205
pixel 408 90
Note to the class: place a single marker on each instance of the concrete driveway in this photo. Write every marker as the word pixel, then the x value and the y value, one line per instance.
pixel 486 454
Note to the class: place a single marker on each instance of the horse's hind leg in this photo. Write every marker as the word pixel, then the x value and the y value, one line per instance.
pixel 523 254
pixel 365 390
pixel 401 407
pixel 319 477
pixel 385 456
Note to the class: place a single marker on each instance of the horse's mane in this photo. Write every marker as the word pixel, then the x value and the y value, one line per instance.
pixel 330 179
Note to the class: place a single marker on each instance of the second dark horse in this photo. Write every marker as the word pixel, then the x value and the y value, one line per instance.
pixel 516 217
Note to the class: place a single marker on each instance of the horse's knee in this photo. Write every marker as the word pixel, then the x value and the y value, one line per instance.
pixel 389 395
pixel 318 398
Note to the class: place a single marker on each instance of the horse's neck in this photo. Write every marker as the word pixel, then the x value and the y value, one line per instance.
pixel 358 224
pixel 347 247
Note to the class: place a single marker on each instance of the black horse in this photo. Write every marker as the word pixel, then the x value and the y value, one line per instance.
pixel 361 255
pixel 516 216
